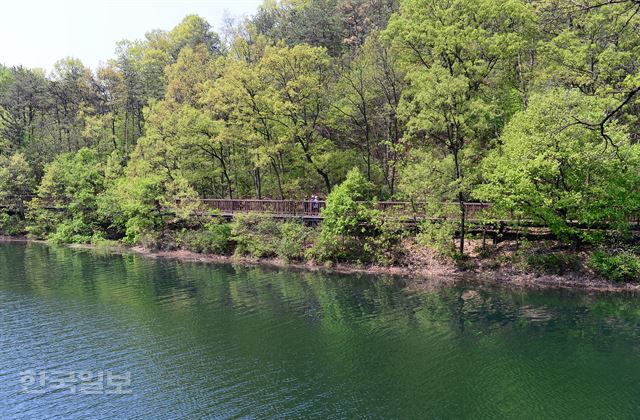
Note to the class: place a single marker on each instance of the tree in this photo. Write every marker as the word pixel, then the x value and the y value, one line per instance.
pixel 340 26
pixel 66 205
pixel 553 170
pixel 111 98
pixel 243 99
pixel 183 139
pixel 141 204
pixel 17 182
pixel 24 100
pixel 192 31
pixel 594 46
pixel 73 97
pixel 312 22
pixel 298 76
pixel 367 95
pixel 452 52
pixel 187 78
pixel 346 218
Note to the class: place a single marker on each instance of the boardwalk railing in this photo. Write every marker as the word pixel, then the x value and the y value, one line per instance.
pixel 306 208
pixel 293 208
pixel 274 207
pixel 416 211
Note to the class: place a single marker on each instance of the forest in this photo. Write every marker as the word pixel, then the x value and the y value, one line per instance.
pixel 530 105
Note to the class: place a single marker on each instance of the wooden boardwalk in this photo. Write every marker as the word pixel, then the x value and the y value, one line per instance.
pixel 311 210
pixel 476 214
pixel 417 211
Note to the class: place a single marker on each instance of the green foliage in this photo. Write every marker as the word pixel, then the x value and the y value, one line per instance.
pixel 438 236
pixel 255 235
pixel 214 238
pixel 347 219
pixel 352 231
pixel 553 262
pixel 11 224
pixel 73 231
pixel 66 204
pixel 453 53
pixel 345 24
pixel 557 171
pixel 141 204
pixel 620 267
pixel 385 244
pixel 293 241
pixel 16 182
pixel 133 207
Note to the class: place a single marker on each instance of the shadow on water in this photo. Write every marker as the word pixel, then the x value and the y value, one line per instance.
pixel 208 339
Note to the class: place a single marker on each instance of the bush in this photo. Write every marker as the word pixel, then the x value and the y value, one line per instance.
pixel 354 232
pixel 255 235
pixel 153 240
pixel 41 222
pixel 384 245
pixel 71 183
pixel 132 207
pixel 17 180
pixel 144 203
pixel 73 231
pixel 553 263
pixel 99 241
pixel 438 236
pixel 293 241
pixel 621 267
pixel 347 222
pixel 11 224
pixel 215 238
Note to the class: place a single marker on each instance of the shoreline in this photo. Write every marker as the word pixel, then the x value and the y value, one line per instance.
pixel 417 278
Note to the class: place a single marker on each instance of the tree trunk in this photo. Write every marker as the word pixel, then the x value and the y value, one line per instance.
pixel 277 173
pixel 257 182
pixel 324 176
pixel 462 222
pixel 460 200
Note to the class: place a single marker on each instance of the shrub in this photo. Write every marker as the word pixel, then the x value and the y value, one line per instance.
pixel 293 240
pixel 73 231
pixel 384 245
pixel 215 238
pixel 143 203
pixel 133 207
pixel 553 263
pixel 72 183
pixel 152 239
pixel 347 221
pixel 255 235
pixel 621 267
pixel 11 224
pixel 99 241
pixel 16 181
pixel 41 222
pixel 438 236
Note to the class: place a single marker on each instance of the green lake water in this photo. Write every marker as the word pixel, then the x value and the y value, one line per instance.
pixel 204 340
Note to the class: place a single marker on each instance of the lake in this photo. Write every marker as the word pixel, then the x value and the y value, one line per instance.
pixel 92 334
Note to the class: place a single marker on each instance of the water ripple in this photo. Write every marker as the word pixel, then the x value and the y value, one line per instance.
pixel 230 341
